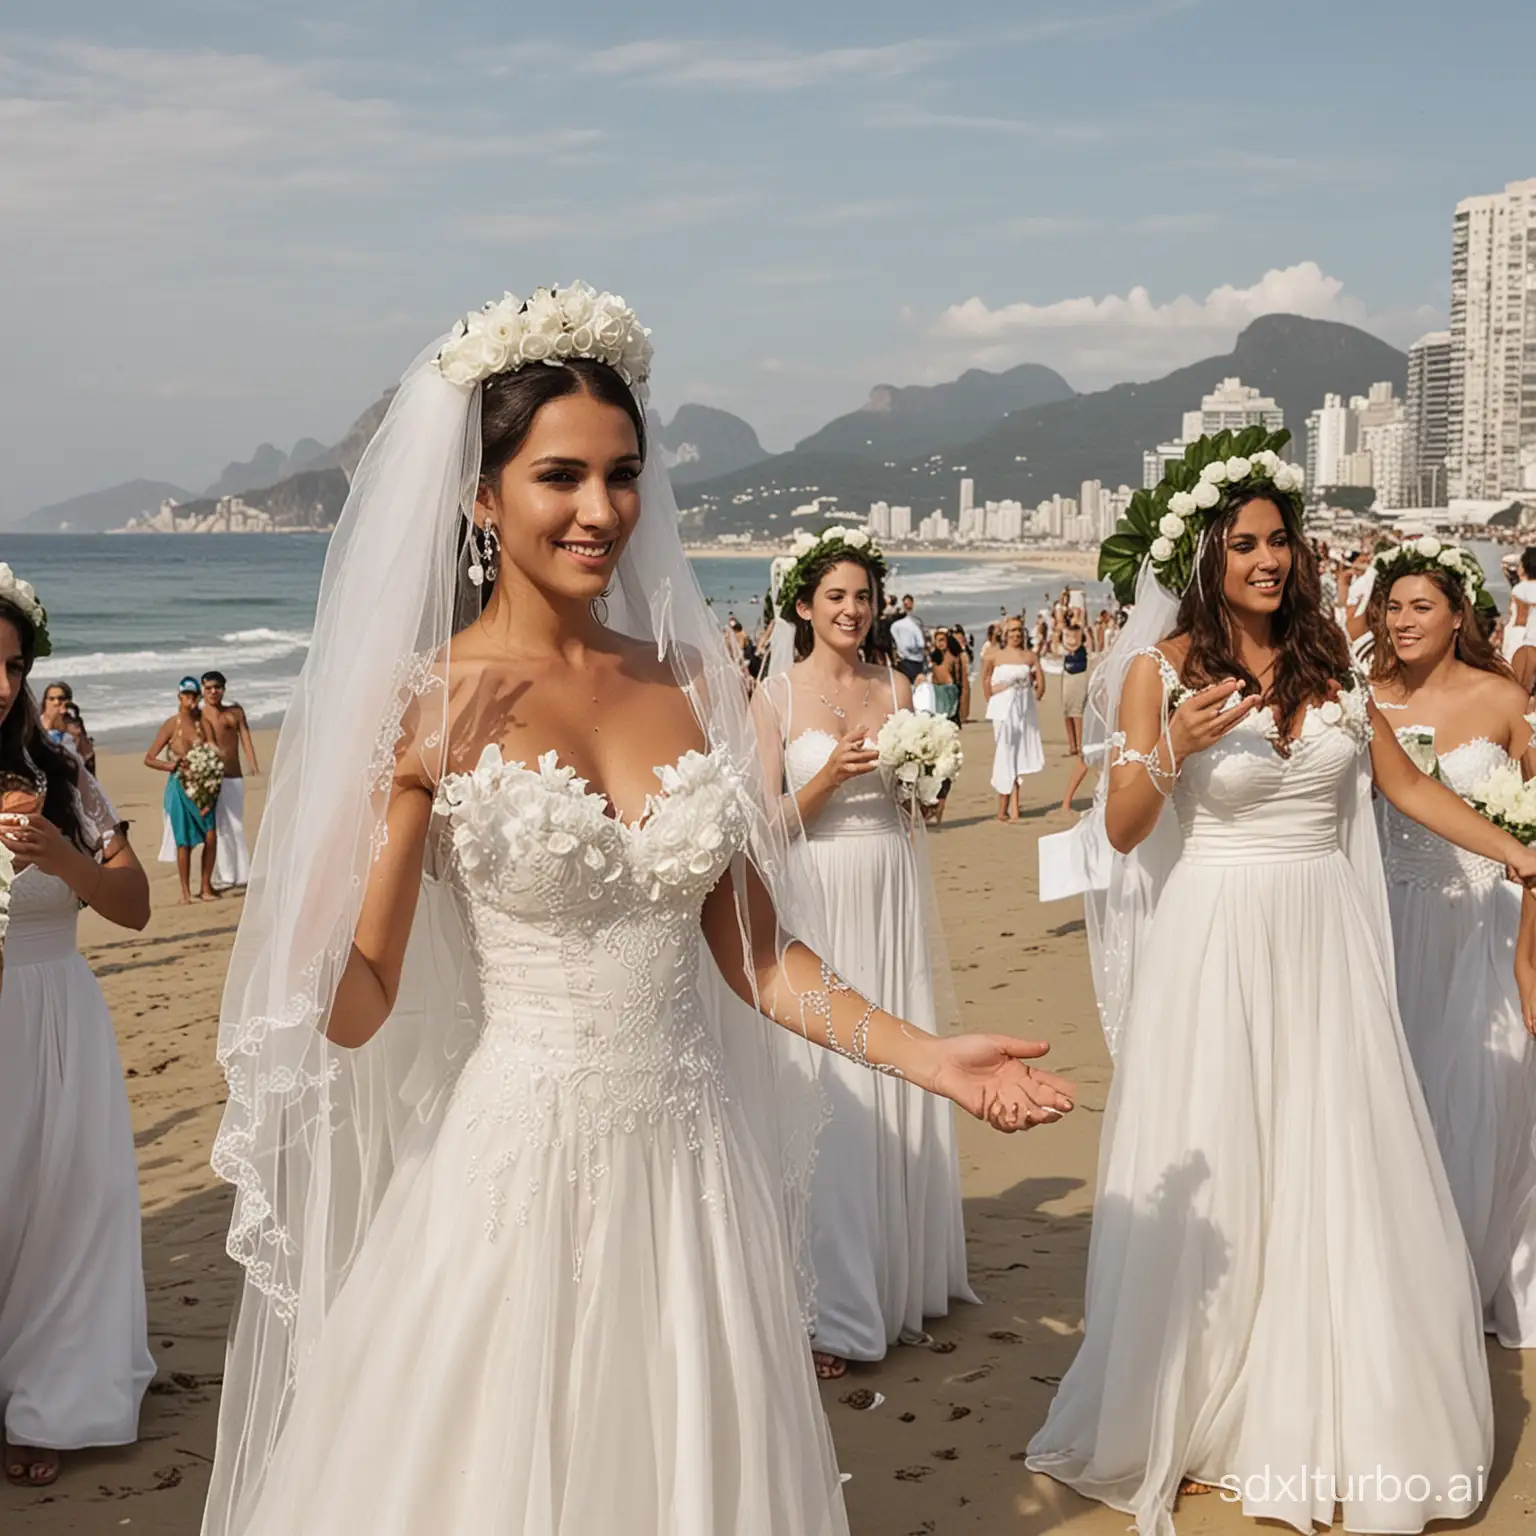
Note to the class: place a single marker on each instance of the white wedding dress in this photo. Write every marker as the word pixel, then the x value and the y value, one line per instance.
pixel 1455 921
pixel 577 1313
pixel 886 1222
pixel 1015 725
pixel 1278 1290
pixel 74 1352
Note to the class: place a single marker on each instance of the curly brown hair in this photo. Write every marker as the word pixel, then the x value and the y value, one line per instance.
pixel 1474 644
pixel 1313 653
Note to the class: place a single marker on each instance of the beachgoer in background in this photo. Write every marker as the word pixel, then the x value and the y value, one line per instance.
pixel 57 697
pixel 961 642
pixel 77 737
pixel 186 827
pixel 230 732
pixel 910 642
pixel 1074 700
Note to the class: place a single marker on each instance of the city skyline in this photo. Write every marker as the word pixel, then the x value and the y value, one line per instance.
pixel 237 227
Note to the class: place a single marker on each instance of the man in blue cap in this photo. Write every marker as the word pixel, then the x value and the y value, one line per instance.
pixel 186 827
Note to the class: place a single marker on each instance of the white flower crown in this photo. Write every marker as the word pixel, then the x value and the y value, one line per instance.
pixel 24 596
pixel 553 325
pixel 787 573
pixel 1414 555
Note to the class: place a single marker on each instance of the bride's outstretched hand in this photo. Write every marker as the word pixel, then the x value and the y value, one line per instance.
pixel 1523 867
pixel 988 1077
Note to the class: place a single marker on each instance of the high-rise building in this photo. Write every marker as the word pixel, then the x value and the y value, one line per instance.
pixel 1332 435
pixel 935 528
pixel 1230 407
pixel 1429 402
pixel 879 520
pixel 1389 448
pixel 901 522
pixel 1491 436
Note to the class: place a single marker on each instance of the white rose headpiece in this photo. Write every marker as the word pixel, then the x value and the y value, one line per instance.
pixel 21 593
pixel 810 550
pixel 1164 525
pixel 551 327
pixel 1414 556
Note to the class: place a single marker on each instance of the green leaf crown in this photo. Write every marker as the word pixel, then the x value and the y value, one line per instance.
pixel 1164 525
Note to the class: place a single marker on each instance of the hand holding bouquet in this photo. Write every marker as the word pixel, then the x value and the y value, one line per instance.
pixel 201 773
pixel 923 751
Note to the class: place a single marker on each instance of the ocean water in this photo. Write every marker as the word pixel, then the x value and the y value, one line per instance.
pixel 130 616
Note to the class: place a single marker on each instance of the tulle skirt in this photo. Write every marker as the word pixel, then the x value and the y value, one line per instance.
pixel 1279 1297
pixel 597 1334
pixel 1461 1016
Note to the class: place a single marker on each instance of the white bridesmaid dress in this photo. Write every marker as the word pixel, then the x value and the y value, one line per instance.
pixel 1279 1298
pixel 1455 920
pixel 74 1352
pixel 886 1222
pixel 1015 726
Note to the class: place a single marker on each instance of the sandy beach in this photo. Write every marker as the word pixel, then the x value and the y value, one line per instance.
pixel 941 1454
pixel 1073 562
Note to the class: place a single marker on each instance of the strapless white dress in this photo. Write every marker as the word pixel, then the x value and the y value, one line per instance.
pixel 1455 921
pixel 74 1351
pixel 1279 1297
pixel 1015 726
pixel 887 1226
pixel 577 1313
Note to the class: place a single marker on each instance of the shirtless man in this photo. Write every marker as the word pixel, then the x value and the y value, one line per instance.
pixel 185 827
pixel 230 732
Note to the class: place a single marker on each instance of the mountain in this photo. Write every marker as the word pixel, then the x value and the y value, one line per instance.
pixel 701 442
pixel 1032 453
pixel 100 511
pixel 908 423
pixel 348 453
pixel 266 467
pixel 309 501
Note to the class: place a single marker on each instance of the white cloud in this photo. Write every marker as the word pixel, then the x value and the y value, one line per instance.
pixel 704 64
pixel 1132 335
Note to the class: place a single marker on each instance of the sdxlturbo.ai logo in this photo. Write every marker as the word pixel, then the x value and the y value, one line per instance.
pixel 1317 1486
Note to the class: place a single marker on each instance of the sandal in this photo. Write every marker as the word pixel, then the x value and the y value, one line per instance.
pixel 828 1367
pixel 31 1466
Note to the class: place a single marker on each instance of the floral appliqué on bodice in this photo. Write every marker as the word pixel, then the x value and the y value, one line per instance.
pixel 586 937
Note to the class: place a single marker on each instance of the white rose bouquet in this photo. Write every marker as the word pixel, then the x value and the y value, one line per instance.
pixel 201 773
pixel 1508 801
pixel 923 751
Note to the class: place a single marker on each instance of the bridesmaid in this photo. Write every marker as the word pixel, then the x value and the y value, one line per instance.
pixel 887 1236
pixel 74 1357
pixel 1012 681
pixel 1455 921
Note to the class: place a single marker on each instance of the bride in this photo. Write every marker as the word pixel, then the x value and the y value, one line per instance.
pixel 1455 920
pixel 1279 1298
pixel 887 1234
pixel 508 1172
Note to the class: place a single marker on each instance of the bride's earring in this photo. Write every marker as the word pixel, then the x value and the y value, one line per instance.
pixel 476 571
pixel 492 557
pixel 600 606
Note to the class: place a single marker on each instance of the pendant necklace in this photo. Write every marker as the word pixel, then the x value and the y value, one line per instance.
pixel 842 714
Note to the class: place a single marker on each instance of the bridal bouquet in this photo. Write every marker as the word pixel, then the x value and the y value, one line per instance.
pixel 922 750
pixel 202 776
pixel 1508 801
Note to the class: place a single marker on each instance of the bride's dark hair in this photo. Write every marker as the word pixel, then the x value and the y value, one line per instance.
pixel 510 401
pixel 1312 650
pixel 26 754
pixel 815 573
pixel 1473 645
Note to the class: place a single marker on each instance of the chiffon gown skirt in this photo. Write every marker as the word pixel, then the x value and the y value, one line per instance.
pixel 887 1226
pixel 1455 922
pixel 74 1357
pixel 1015 727
pixel 1279 1295
pixel 577 1313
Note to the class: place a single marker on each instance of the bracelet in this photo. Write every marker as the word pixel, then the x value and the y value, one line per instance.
pixel 1155 770
pixel 833 983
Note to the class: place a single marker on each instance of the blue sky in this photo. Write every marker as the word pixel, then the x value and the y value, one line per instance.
pixel 226 223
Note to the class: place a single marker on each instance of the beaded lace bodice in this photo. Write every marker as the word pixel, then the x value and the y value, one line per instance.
pixel 1413 855
pixel 585 933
